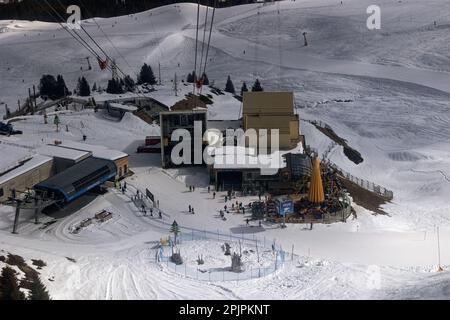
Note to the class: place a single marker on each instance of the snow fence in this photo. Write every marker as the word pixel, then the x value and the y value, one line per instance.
pixel 224 273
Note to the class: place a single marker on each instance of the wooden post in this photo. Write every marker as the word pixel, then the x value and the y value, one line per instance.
pixel 36 211
pixel 159 72
pixel 34 97
pixel 439 251
pixel 30 102
pixel 16 218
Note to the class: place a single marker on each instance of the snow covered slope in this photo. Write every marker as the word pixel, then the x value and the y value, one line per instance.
pixel 396 82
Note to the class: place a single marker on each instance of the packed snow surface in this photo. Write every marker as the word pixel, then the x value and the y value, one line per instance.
pixel 385 91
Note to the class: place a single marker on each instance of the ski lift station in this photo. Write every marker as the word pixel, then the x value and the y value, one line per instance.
pixel 63 171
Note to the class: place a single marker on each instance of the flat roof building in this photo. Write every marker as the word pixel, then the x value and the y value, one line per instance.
pixel 26 175
pixel 185 119
pixel 120 158
pixel 78 179
pixel 269 111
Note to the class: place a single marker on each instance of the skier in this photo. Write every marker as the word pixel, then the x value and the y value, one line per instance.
pixel 193 211
pixel 125 185
pixel 190 188
pixel 151 212
pixel 84 137
pixel 247 221
pixel 226 198
pixel 209 189
pixel 190 208
pixel 214 195
pixel 160 214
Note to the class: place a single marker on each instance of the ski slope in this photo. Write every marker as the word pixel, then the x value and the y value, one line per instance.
pixel 397 81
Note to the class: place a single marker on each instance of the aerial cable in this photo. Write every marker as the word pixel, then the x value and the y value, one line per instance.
pixel 196 46
pixel 74 35
pixel 203 42
pixel 82 41
pixel 102 64
pixel 280 52
pixel 209 37
pixel 104 33
pixel 112 44
pixel 255 73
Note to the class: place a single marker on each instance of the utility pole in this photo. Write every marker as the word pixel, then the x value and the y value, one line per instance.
pixel 304 36
pixel 34 97
pixel 30 101
pixel 439 251
pixel 175 85
pixel 159 72
pixel 114 70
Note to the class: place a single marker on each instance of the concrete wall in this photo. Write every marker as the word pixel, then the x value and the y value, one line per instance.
pixel 27 180
pixel 122 167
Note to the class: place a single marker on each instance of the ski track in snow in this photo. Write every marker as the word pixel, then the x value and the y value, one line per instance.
pixel 398 80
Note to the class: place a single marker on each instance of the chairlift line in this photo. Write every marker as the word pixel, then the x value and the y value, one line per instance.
pixel 196 77
pixel 210 33
pixel 203 41
pixel 74 35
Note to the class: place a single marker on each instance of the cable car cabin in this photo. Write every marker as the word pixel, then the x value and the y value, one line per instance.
pixel 78 179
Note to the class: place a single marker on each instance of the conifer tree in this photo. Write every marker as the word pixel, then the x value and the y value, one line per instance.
pixel 146 75
pixel 257 86
pixel 205 79
pixel 192 77
pixel 244 88
pixel 114 87
pixel 38 290
pixel 229 87
pixel 175 229
pixel 83 87
pixel 56 122
pixel 60 88
pixel 129 83
pixel 47 85
pixel 9 288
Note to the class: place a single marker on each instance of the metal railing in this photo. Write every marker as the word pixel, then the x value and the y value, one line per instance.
pixel 162 255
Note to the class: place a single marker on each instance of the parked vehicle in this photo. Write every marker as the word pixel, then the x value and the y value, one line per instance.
pixel 7 129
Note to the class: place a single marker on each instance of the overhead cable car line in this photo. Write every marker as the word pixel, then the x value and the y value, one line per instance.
pixel 210 33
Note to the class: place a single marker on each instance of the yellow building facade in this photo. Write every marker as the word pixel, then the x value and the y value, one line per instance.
pixel 272 110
